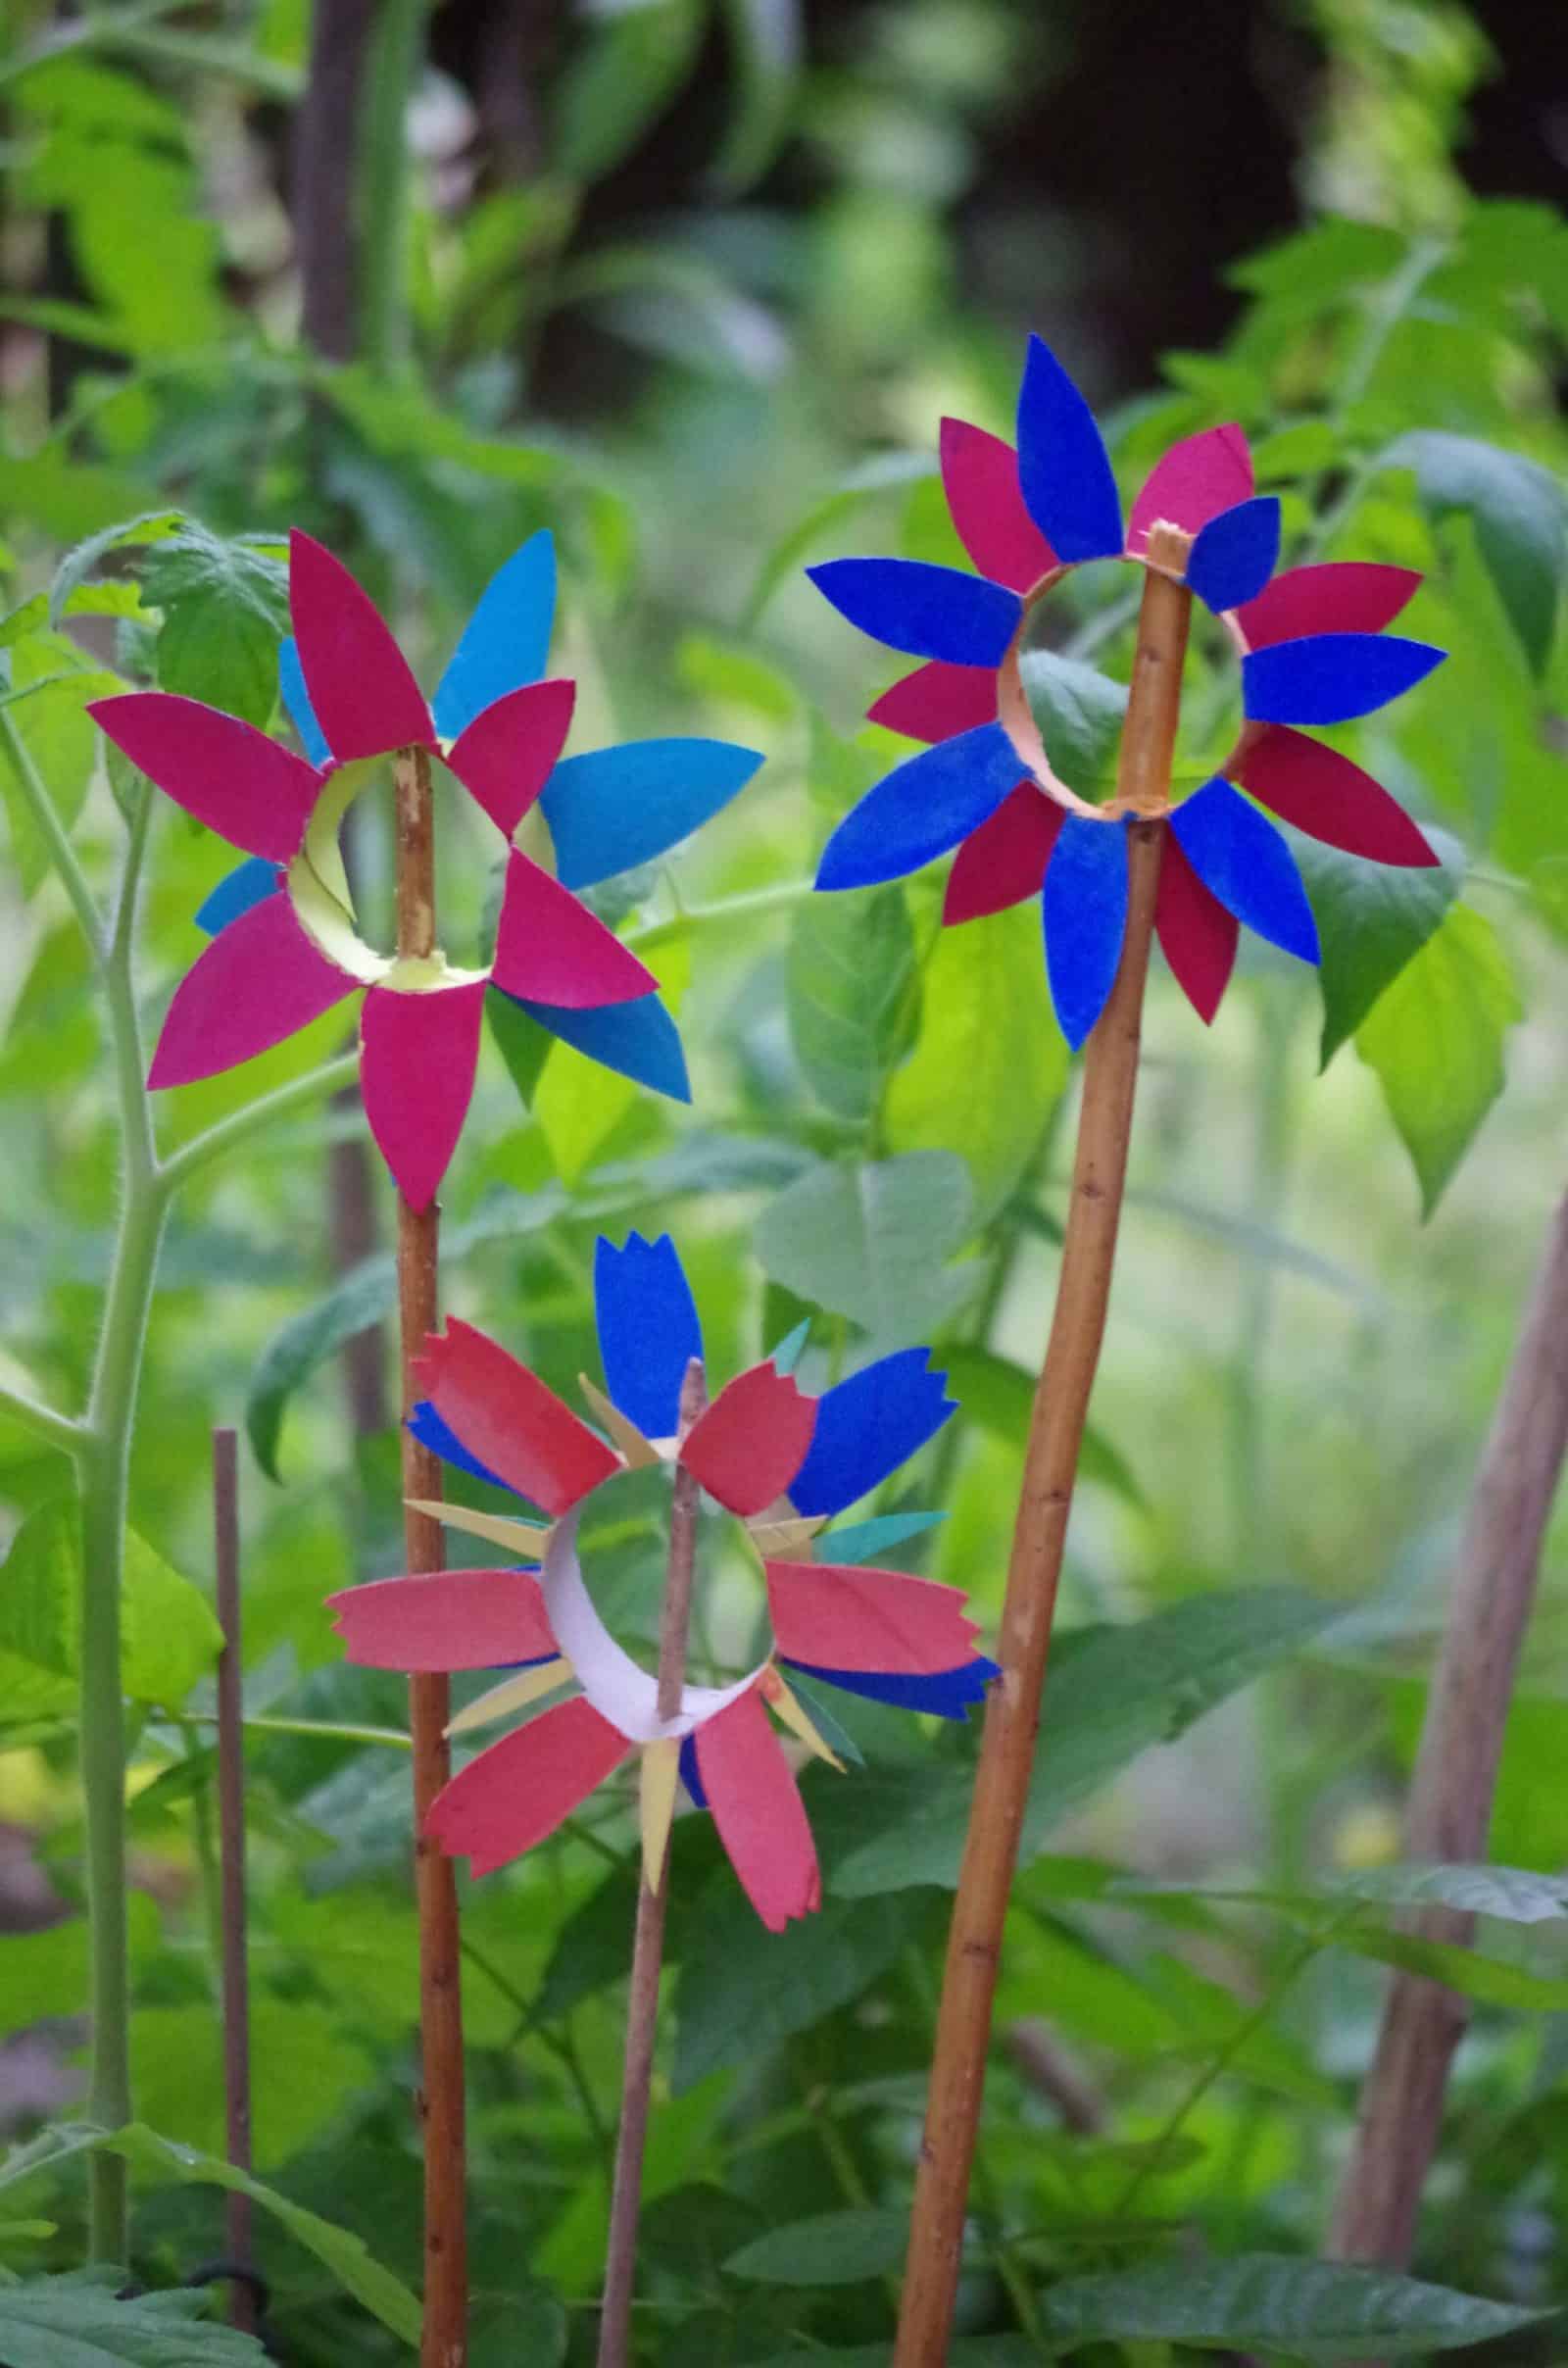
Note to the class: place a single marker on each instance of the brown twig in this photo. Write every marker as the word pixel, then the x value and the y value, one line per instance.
pixel 1056 1433
pixel 445 2338
pixel 232 1861
pixel 1456 1771
pixel 648 1946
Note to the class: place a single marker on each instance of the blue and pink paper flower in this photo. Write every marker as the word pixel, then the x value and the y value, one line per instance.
pixel 1313 653
pixel 782 1462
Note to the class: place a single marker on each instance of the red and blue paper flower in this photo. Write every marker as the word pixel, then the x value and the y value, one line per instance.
pixel 1313 653
pixel 783 1462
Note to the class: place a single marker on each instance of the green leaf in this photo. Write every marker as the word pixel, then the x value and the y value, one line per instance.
pixel 767 41
pixel 853 995
pixel 1309 2310
pixel 66 498
pixel 1515 1895
pixel 71 576
pixel 872 1241
pixel 225 610
pixel 1080 713
pixel 1372 918
pixel 46 706
pixel 885 472
pixel 1521 523
pixel 1434 1040
pixel 630 66
pixel 169 1637
pixel 1000 1395
pixel 82 2321
pixel 832 2248
pixel 1493 1981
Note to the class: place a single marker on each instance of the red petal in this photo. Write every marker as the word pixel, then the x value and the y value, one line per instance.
pixel 551 948
pixel 366 699
pixel 1195 480
pixel 936 701
pixel 253 793
pixel 1328 797
pixel 458 1619
pixel 1005 859
pixel 980 478
pixel 758 1812
pixel 259 981
pixel 1341 596
pixel 507 1420
pixel 519 1791
pixel 1197 934
pixel 509 750
pixel 417 1055
pixel 844 1616
pixel 748 1444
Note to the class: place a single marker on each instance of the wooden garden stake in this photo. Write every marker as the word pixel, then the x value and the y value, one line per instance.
pixel 648 1948
pixel 1056 1434
pixel 445 2339
pixel 231 1863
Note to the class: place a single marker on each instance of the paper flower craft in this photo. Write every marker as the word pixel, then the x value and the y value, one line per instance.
pixel 783 1462
pixel 1313 652
pixel 286 947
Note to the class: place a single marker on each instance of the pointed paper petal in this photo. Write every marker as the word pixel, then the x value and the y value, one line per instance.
pixel 655 1806
pixel 505 1416
pixel 637 1040
pixel 937 701
pixel 529 1685
pixel 418 1057
pixel 358 679
pixel 1331 677
pixel 507 753
pixel 852 1617
pixel 757 1810
pixel 1005 859
pixel 691 1774
pixel 458 1619
pixel 929 611
pixel 254 985
pixel 864 1541
pixel 1063 468
pixel 1085 909
pixel 615 808
pixel 868 1426
pixel 980 478
pixel 1243 860
pixel 648 1329
pixel 748 1444
pixel 1338 596
pixel 297 703
pixel 784 1539
pixel 635 1449
pixel 921 809
pixel 506 642
pixel 439 1437
pixel 1192 483
pixel 252 792
pixel 787 1705
pixel 551 948
pixel 516 1793
pixel 249 883
pixel 1235 553
pixel 523 1538
pixel 1324 794
pixel 1198 936
pixel 949 1694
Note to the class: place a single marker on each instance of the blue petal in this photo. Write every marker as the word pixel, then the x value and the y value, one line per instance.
pixel 921 809
pixel 688 1773
pixel 618 807
pixel 1331 677
pixel 638 1039
pixel 1064 470
pixel 866 1427
pixel 506 642
pixel 1235 554
pixel 930 611
pixel 861 1541
pixel 948 1695
pixel 250 883
pixel 1085 913
pixel 297 699
pixel 1243 861
pixel 648 1329
pixel 432 1432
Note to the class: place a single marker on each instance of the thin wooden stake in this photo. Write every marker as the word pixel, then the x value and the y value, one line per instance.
pixel 231 1863
pixel 1056 1434
pixel 445 2339
pixel 648 1946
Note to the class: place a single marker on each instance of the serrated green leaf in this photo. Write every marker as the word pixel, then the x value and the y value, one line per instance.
pixel 1372 918
pixel 83 2321
pixel 1521 520
pixel 832 2248
pixel 169 1637
pixel 1493 1981
pixel 853 995
pixel 225 610
pixel 871 1241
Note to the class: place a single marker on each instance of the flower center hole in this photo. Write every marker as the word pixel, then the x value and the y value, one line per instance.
pixel 623 1543
pixel 350 857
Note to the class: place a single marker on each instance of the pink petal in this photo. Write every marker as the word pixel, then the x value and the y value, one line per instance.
pixel 758 1812
pixel 1005 859
pixel 230 777
pixel 418 1057
pixel 1198 936
pixel 507 1420
pixel 844 1616
pixel 519 1791
pixel 458 1619
pixel 937 701
pixel 1328 797
pixel 1195 481
pixel 980 478
pixel 752 1441
pixel 509 750
pixel 551 948
pixel 1340 596
pixel 366 699
pixel 259 981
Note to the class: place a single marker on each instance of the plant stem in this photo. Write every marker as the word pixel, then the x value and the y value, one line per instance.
pixel 1056 1427
pixel 232 1862
pixel 45 1422
pixel 648 1948
pixel 62 854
